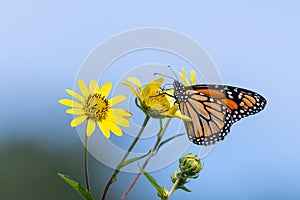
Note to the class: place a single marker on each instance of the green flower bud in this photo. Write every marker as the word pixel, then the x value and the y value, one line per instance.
pixel 190 166
pixel 164 194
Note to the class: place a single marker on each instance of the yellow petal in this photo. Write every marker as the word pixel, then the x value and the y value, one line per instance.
pixel 192 77
pixel 183 77
pixel 122 121
pixel 119 119
pixel 90 128
pixel 133 90
pixel 78 120
pixel 121 112
pixel 183 71
pixel 169 95
pixel 75 95
pixel 159 80
pixel 169 91
pixel 152 87
pixel 70 103
pixel 104 129
pixel 82 86
pixel 117 99
pixel 183 117
pixel 114 128
pixel 94 87
pixel 75 111
pixel 105 90
pixel 172 110
pixel 135 82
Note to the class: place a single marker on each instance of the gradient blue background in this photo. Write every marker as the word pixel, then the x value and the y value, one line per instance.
pixel 254 45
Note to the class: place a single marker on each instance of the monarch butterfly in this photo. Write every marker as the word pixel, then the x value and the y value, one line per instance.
pixel 214 108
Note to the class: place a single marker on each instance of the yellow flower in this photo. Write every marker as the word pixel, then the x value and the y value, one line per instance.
pixel 183 77
pixel 96 108
pixel 152 101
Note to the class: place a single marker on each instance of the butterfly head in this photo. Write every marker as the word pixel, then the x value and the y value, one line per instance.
pixel 179 91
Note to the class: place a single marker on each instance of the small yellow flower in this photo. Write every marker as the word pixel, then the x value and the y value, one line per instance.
pixel 153 101
pixel 183 77
pixel 96 108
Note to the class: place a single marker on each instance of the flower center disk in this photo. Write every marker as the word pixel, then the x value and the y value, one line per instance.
pixel 96 107
pixel 158 102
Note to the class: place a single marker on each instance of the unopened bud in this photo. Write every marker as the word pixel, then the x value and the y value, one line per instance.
pixel 190 166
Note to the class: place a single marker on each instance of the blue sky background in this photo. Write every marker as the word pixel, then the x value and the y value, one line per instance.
pixel 253 44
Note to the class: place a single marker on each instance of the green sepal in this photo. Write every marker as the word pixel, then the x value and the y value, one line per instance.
pixel 184 188
pixel 137 104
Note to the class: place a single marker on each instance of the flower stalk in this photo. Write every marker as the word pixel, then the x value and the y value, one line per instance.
pixel 86 173
pixel 174 187
pixel 159 137
pixel 117 170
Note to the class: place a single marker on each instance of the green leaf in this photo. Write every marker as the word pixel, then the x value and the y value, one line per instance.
pixel 184 188
pixel 159 189
pixel 168 140
pixel 131 160
pixel 79 188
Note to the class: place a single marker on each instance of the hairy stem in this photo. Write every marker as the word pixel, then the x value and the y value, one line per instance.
pixel 86 173
pixel 117 170
pixel 159 137
pixel 174 187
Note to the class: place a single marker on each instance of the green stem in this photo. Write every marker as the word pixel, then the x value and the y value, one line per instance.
pixel 117 170
pixel 159 137
pixel 174 187
pixel 86 173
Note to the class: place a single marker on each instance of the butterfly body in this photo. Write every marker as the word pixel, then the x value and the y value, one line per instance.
pixel 214 108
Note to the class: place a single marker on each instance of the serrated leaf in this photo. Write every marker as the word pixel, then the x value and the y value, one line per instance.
pixel 184 188
pixel 79 188
pixel 131 160
pixel 159 189
pixel 168 140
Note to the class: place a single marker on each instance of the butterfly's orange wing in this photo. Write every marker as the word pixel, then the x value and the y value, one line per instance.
pixel 211 120
pixel 239 102
pixel 214 108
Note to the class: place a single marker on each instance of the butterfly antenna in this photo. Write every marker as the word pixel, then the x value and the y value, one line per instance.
pixel 164 87
pixel 173 72
pixel 164 75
